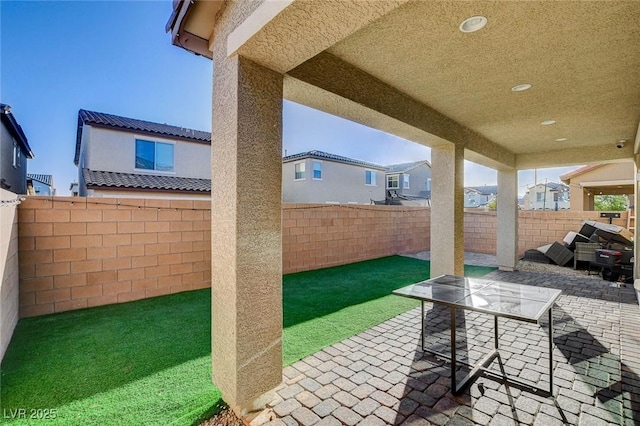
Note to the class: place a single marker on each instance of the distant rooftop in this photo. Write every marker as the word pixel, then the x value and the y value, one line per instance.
pixel 99 119
pixel 484 189
pixel 45 179
pixel 321 155
pixel 405 167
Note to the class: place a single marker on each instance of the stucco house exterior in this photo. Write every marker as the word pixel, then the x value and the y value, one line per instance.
pixel 125 157
pixel 409 180
pixel 547 196
pixel 587 182
pixel 14 152
pixel 38 184
pixel 321 177
pixel 479 196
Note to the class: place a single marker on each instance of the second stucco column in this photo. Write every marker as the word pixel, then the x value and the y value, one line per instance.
pixel 447 210
pixel 246 252
pixel 507 232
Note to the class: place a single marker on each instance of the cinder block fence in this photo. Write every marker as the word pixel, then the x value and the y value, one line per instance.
pixel 81 252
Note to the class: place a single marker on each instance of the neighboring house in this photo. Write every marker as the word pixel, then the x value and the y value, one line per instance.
pixel 73 189
pixel 547 196
pixel 40 184
pixel 409 181
pixel 479 196
pixel 587 182
pixel 320 177
pixel 125 157
pixel 14 152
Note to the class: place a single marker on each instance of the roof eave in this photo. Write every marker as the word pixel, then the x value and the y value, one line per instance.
pixel 16 131
pixel 180 36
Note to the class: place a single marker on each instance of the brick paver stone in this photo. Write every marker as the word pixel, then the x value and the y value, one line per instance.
pixel 286 407
pixel 305 416
pixel 347 416
pixel 326 407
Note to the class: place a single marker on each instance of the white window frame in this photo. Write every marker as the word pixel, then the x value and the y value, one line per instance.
pixel 405 181
pixel 314 162
pixel 397 179
pixel 154 170
pixel 16 153
pixel 373 174
pixel 303 171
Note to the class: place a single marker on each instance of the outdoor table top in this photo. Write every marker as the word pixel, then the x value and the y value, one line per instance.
pixel 502 299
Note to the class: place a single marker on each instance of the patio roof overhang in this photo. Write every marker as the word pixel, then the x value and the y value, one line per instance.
pixel 406 68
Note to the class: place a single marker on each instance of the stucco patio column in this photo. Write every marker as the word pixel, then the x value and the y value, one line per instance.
pixel 636 226
pixel 507 250
pixel 447 210
pixel 246 250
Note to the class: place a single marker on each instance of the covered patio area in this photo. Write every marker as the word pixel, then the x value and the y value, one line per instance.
pixel 381 376
pixel 509 85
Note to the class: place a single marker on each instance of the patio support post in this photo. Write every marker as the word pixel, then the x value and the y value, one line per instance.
pixel 507 244
pixel 246 232
pixel 636 225
pixel 447 210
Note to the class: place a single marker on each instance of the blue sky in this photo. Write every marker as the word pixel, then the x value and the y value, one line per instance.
pixel 57 57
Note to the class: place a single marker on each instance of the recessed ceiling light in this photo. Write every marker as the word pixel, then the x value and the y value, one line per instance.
pixel 473 24
pixel 521 87
pixel 548 122
pixel 561 139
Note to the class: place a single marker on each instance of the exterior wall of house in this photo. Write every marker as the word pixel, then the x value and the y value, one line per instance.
pixel 473 200
pixel 582 199
pixel 9 270
pixel 14 176
pixel 82 252
pixel 341 183
pixel 113 150
pixel 419 182
pixel 548 201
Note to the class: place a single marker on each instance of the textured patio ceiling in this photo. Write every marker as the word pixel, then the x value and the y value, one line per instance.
pixel 406 68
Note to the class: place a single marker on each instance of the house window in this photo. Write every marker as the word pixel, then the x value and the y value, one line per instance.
pixel 38 189
pixel 405 183
pixel 370 177
pixel 16 155
pixel 393 182
pixel 154 156
pixel 299 169
pixel 317 170
pixel 428 184
pixel 540 196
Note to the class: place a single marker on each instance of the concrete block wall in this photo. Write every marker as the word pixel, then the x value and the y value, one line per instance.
pixel 82 252
pixel 320 235
pixel 535 228
pixel 9 267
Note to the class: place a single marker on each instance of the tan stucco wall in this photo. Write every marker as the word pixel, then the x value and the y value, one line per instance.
pixel 112 150
pixel 341 183
pixel 9 270
pixel 582 199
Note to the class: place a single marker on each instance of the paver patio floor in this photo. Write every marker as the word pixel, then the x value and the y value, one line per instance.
pixel 381 376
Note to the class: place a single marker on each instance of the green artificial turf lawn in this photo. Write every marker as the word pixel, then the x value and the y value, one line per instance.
pixel 149 361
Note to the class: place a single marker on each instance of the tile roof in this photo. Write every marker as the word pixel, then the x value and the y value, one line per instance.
pixel 101 179
pixel 46 179
pixel 405 167
pixel 99 119
pixel 321 155
pixel 484 189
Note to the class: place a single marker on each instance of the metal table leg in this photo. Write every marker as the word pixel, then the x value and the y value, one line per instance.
pixel 551 350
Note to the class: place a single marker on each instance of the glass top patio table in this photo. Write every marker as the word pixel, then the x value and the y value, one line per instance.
pixel 501 299
pixel 510 300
